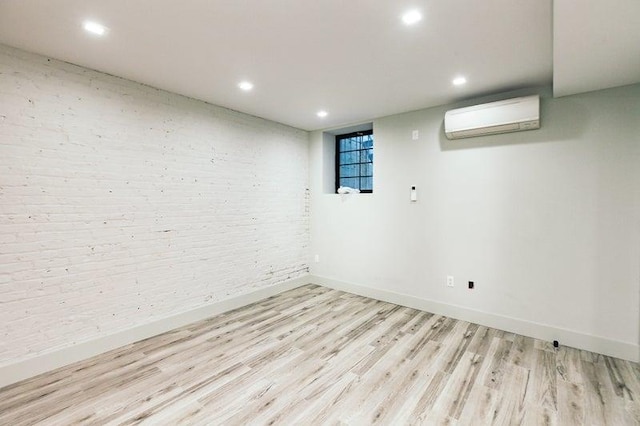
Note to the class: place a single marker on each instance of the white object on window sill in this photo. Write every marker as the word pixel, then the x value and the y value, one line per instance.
pixel 348 190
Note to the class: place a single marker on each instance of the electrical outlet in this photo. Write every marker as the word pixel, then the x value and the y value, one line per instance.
pixel 415 135
pixel 317 258
pixel 471 285
pixel 449 281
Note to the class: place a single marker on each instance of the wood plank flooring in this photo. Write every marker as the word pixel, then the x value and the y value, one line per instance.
pixel 319 356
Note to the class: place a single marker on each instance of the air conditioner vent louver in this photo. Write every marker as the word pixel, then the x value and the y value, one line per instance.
pixel 511 115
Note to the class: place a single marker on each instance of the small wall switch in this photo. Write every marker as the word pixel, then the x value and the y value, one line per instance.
pixel 415 135
pixel 471 285
pixel 414 194
pixel 449 281
pixel 316 258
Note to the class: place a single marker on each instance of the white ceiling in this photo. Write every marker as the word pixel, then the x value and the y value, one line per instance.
pixel 596 45
pixel 352 58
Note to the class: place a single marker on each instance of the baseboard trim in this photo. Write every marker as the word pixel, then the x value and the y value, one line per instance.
pixel 537 330
pixel 42 363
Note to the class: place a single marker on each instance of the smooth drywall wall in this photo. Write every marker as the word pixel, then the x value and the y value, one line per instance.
pixel 121 204
pixel 545 222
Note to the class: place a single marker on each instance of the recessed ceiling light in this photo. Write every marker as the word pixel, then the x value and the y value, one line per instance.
pixel 411 17
pixel 94 28
pixel 459 81
pixel 322 114
pixel 245 85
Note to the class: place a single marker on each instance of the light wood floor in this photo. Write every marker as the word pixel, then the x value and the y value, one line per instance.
pixel 319 356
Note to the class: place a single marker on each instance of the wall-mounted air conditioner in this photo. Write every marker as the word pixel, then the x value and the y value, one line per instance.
pixel 511 115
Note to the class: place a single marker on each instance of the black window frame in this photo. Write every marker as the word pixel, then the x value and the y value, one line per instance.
pixel 338 152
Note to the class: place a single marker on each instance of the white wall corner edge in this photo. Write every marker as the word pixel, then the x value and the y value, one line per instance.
pixel 48 361
pixel 571 338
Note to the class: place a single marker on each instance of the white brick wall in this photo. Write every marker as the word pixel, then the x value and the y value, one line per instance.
pixel 121 204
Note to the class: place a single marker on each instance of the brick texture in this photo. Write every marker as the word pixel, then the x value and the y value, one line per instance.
pixel 121 204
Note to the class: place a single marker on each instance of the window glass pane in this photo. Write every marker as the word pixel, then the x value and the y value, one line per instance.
pixel 367 183
pixel 351 182
pixel 367 142
pixel 349 157
pixel 355 161
pixel 366 156
pixel 349 171
pixel 366 169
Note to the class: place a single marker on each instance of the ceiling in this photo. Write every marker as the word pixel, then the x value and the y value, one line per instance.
pixel 596 45
pixel 356 59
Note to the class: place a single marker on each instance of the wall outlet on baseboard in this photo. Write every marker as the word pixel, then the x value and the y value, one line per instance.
pixel 449 281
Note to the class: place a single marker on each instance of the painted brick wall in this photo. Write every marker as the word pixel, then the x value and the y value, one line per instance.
pixel 121 204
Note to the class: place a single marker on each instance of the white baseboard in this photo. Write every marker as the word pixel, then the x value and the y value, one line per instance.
pixel 24 369
pixel 41 363
pixel 575 339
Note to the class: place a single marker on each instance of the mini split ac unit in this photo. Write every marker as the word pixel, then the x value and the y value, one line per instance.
pixel 511 115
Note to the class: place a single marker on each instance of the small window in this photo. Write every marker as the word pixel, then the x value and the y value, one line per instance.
pixel 354 160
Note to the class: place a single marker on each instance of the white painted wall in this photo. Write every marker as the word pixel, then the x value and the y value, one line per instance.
pixel 121 204
pixel 546 222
